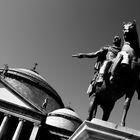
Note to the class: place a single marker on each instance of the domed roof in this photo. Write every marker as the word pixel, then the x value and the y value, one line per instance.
pixel 32 88
pixel 64 118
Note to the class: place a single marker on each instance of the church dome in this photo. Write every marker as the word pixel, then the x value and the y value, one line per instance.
pixel 32 88
pixel 65 118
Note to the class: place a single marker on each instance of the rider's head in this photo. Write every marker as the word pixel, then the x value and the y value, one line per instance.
pixel 117 41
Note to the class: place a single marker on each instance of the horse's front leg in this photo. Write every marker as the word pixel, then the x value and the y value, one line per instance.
pixel 92 108
pixel 125 110
pixel 107 108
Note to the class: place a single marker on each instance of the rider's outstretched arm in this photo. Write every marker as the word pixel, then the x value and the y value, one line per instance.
pixel 88 55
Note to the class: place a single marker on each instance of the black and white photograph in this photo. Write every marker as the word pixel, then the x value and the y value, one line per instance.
pixel 69 69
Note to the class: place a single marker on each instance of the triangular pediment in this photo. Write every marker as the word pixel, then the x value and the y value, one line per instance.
pixel 8 96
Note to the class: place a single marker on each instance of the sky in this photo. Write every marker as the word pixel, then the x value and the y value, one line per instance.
pixel 49 32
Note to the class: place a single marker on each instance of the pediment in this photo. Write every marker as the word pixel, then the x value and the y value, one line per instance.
pixel 8 96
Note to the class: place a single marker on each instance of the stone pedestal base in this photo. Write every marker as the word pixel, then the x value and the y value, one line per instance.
pixel 102 130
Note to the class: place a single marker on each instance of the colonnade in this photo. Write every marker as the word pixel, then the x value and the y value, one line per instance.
pixel 21 122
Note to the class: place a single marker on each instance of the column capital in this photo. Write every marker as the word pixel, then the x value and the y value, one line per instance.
pixel 8 115
pixel 20 119
pixel 36 124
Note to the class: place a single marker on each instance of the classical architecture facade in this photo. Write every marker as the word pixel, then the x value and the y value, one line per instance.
pixel 30 109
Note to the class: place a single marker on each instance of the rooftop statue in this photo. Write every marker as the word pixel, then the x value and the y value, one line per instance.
pixel 117 76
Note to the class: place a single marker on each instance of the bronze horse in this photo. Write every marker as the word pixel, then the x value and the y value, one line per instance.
pixel 125 77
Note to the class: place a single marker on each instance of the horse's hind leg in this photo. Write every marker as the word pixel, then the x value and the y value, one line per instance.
pixel 130 91
pixel 125 110
pixel 92 108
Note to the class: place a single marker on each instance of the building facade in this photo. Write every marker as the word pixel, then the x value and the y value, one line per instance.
pixel 30 109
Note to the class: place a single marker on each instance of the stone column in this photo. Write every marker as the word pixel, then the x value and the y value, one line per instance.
pixel 4 124
pixel 18 129
pixel 34 131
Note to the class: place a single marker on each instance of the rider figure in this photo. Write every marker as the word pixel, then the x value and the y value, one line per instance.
pixel 112 52
pixel 104 57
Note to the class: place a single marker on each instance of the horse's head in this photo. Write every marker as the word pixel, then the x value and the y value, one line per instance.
pixel 129 31
pixel 130 35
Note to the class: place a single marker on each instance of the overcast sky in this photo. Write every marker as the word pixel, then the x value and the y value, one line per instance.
pixel 50 31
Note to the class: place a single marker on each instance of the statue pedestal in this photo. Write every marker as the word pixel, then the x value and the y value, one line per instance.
pixel 102 130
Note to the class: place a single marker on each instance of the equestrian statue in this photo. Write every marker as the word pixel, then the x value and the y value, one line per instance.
pixel 117 76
